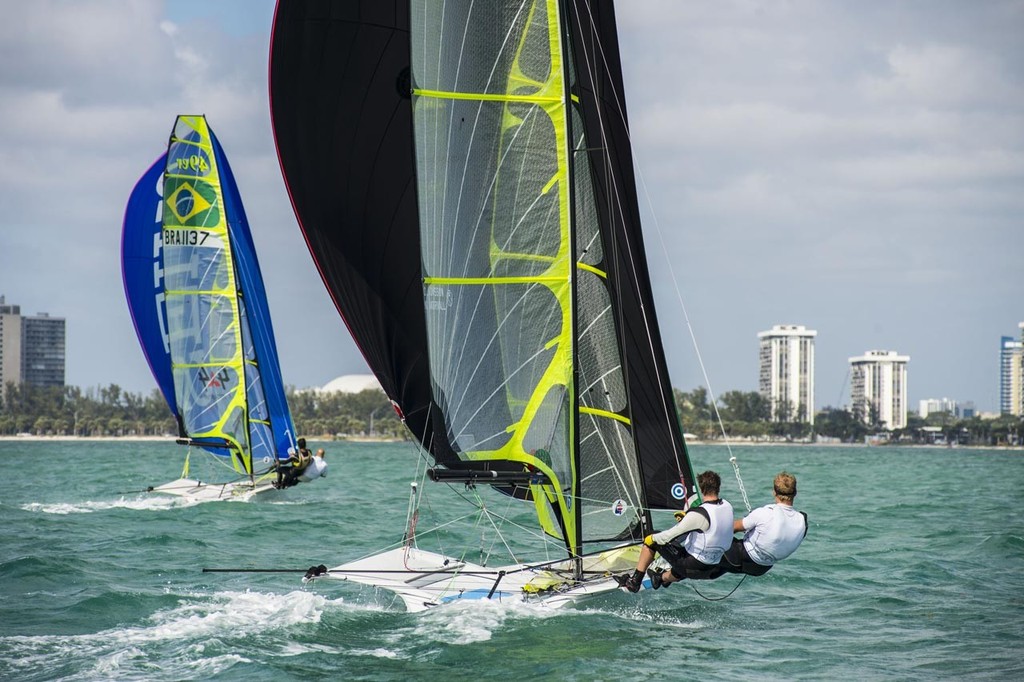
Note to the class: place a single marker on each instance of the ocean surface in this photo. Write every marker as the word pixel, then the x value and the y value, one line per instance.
pixel 913 570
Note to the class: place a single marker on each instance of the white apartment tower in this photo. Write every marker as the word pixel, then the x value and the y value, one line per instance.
pixel 878 388
pixel 1011 374
pixel 787 372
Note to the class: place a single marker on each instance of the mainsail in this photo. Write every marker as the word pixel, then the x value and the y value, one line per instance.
pixel 197 298
pixel 462 173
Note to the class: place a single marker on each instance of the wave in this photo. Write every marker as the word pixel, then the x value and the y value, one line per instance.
pixel 200 637
pixel 149 503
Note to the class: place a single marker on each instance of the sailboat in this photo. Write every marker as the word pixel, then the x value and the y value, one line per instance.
pixel 463 177
pixel 199 306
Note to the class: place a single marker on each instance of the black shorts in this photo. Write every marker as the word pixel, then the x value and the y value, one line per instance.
pixel 737 560
pixel 683 565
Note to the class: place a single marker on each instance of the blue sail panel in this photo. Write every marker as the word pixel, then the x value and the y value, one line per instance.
pixel 142 273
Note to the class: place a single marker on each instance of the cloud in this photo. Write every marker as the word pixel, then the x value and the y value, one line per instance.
pixel 851 166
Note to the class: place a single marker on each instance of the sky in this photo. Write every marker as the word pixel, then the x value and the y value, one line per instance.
pixel 854 167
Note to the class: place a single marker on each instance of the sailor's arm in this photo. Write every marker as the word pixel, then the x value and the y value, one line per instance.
pixel 696 519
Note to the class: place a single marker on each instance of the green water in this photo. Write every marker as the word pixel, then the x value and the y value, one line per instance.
pixel 913 570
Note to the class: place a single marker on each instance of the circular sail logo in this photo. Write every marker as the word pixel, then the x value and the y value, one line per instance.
pixel 679 491
pixel 619 507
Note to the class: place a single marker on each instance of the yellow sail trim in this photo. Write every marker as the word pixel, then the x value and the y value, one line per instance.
pixel 486 97
pixel 492 280
pixel 227 295
pixel 514 280
pixel 590 268
pixel 604 413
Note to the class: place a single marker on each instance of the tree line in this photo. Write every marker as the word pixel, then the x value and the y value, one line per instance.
pixel 110 411
pixel 747 415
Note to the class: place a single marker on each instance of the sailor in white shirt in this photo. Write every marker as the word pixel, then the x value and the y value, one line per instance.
pixel 693 547
pixel 316 468
pixel 772 533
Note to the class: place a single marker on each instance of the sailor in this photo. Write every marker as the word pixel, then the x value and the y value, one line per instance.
pixel 288 473
pixel 317 468
pixel 693 547
pixel 772 533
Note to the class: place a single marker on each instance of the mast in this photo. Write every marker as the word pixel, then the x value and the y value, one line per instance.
pixel 574 403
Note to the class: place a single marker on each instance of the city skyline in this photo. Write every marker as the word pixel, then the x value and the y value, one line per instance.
pixel 854 169
pixel 792 340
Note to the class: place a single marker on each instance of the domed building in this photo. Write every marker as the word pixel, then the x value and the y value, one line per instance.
pixel 351 383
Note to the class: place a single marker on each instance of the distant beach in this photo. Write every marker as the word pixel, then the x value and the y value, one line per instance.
pixel 373 439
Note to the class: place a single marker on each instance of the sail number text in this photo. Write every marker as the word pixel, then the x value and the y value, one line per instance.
pixel 185 237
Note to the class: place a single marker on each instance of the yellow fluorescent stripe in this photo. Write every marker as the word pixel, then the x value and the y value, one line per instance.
pixel 551 183
pixel 223 293
pixel 484 97
pixel 590 268
pixel 490 280
pixel 604 413
pixel 223 363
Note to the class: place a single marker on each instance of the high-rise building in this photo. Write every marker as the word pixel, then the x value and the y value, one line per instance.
pixel 42 350
pixel 787 372
pixel 10 346
pixel 878 388
pixel 1011 374
pixel 32 348
pixel 935 405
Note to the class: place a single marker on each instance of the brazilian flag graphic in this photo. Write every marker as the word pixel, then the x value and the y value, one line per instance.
pixel 189 202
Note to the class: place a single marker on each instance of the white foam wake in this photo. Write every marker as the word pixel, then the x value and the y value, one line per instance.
pixel 150 502
pixel 183 632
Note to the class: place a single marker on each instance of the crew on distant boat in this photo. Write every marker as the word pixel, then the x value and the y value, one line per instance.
pixel 772 533
pixel 693 547
pixel 317 468
pixel 288 473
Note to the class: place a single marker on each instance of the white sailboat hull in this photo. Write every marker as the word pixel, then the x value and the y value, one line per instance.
pixel 212 492
pixel 424 579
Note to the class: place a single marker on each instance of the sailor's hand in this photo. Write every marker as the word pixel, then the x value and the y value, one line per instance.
pixel 679 515
pixel 649 541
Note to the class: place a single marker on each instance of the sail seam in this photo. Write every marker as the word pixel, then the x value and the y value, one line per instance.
pixel 491 280
pixel 486 97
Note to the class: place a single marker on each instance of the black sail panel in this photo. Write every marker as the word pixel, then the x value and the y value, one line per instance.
pixel 342 120
pixel 664 460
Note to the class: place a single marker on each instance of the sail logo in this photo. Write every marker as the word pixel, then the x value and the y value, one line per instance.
pixel 619 507
pixel 218 380
pixel 679 491
pixel 194 205
pixel 438 298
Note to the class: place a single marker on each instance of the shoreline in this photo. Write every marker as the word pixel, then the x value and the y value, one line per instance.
pixel 371 439
pixel 170 439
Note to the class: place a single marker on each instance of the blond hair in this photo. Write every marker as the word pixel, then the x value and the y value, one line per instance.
pixel 785 486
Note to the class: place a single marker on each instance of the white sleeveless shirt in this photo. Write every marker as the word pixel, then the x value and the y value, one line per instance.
pixel 709 546
pixel 316 468
pixel 774 531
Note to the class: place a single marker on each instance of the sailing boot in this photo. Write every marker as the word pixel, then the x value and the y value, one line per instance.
pixel 656 580
pixel 630 582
